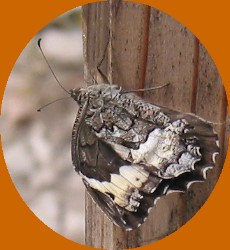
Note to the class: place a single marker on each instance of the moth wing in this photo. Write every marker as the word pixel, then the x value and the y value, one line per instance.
pixel 95 161
pixel 199 139
pixel 111 210
pixel 207 139
pixel 99 162
pixel 99 166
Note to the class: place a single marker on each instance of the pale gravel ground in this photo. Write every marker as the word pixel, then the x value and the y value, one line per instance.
pixel 37 145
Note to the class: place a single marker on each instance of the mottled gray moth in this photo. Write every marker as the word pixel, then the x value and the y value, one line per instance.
pixel 130 153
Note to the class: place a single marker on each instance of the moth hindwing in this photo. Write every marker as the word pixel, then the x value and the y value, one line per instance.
pixel 129 153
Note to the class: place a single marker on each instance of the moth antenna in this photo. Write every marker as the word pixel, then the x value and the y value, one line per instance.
pixel 103 76
pixel 59 99
pixel 217 123
pixel 59 83
pixel 210 122
pixel 148 89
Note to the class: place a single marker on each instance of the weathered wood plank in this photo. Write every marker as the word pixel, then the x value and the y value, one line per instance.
pixel 170 59
pixel 211 104
pixel 129 27
pixel 95 18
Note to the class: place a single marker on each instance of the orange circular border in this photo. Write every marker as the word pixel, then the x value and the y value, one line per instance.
pixel 209 21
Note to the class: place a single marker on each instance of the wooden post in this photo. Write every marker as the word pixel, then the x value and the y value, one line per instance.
pixel 148 48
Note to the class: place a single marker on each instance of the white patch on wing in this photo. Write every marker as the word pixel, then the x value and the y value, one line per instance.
pixel 120 182
pixel 205 171
pixel 121 150
pixel 116 132
pixel 191 182
pixel 155 202
pixel 185 164
pixel 165 189
pixel 195 150
pixel 123 186
pixel 134 174
pixel 171 191
pixel 214 156
pixel 160 147
pixel 109 187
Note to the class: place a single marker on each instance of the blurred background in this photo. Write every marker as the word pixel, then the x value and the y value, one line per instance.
pixel 36 145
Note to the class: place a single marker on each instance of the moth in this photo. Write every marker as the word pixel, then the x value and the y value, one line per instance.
pixel 130 153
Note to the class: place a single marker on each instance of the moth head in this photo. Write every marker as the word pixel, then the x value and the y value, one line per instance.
pixel 80 95
pixel 95 93
pixel 104 92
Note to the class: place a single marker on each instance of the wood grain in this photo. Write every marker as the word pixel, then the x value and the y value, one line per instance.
pixel 211 104
pixel 144 47
pixel 170 59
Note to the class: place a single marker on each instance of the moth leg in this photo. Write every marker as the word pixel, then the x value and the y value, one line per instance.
pixel 102 75
pixel 103 78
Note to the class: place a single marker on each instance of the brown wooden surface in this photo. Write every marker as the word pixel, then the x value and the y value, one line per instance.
pixel 210 104
pixel 148 48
